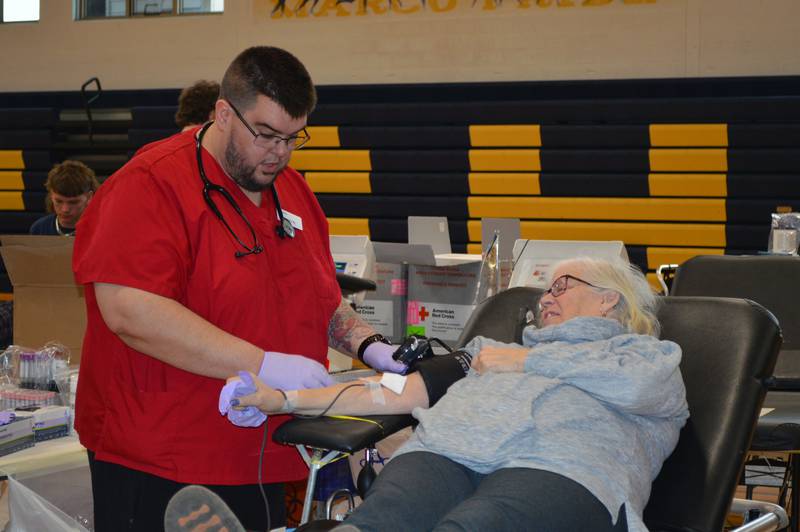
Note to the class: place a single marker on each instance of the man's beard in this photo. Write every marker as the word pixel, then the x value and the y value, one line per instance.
pixel 242 173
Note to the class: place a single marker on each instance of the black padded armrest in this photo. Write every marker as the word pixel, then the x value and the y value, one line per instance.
pixel 350 284
pixel 344 435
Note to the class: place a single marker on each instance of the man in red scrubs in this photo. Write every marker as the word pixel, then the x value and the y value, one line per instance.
pixel 206 255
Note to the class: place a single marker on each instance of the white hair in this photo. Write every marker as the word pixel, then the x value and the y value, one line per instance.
pixel 636 308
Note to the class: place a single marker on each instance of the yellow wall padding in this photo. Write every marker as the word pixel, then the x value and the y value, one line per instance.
pixel 12 159
pixel 657 209
pixel 11 201
pixel 494 183
pixel 348 226
pixel 656 256
pixel 331 160
pixel 11 180
pixel 504 160
pixel 684 135
pixel 505 136
pixel 339 182
pixel 689 160
pixel 474 248
pixel 652 278
pixel 703 185
pixel 323 137
pixel 635 234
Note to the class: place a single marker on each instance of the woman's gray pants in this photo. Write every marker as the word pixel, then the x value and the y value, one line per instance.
pixel 422 491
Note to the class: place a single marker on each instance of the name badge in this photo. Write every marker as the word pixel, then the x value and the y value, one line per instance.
pixel 293 219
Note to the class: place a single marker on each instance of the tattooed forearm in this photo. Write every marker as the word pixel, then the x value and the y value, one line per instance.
pixel 347 330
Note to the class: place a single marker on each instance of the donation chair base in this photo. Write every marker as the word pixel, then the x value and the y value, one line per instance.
pixel 330 438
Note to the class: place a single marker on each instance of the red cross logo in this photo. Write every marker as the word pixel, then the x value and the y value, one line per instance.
pixel 423 313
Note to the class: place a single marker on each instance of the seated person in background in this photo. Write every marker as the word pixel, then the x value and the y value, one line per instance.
pixel 196 104
pixel 70 187
pixel 564 432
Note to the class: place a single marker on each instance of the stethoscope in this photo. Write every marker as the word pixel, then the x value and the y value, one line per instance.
pixel 284 227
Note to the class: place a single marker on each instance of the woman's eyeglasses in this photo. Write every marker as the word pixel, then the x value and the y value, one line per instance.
pixel 562 284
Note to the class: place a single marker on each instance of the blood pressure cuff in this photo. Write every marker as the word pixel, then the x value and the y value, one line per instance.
pixel 439 372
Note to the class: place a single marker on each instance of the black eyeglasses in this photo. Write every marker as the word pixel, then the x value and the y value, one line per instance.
pixel 270 140
pixel 561 285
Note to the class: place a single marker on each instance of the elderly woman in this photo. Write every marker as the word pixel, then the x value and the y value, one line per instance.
pixel 564 432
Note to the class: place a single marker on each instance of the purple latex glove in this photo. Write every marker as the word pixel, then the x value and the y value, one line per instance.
pixel 379 356
pixel 247 417
pixel 292 372
pixel 6 417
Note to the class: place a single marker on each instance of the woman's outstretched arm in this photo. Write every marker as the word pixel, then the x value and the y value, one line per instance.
pixel 357 398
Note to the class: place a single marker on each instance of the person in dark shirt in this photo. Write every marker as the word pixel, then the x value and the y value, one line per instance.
pixel 70 187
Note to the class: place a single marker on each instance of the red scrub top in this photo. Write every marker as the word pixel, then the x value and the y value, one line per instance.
pixel 148 227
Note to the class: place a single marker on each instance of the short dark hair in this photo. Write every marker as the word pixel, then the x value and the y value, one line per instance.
pixel 196 103
pixel 273 72
pixel 70 179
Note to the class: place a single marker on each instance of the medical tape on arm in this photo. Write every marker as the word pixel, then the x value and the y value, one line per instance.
pixel 289 401
pixel 375 392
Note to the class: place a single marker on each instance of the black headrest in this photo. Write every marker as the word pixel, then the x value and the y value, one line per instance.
pixel 770 280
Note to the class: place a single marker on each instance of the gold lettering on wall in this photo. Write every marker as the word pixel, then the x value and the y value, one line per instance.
pixel 289 9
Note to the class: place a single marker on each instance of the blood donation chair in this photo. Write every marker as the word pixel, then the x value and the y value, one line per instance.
pixel 729 350
pixel 774 282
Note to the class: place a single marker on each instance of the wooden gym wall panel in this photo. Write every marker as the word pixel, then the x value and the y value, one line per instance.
pixel 688 160
pixel 764 160
pixel 348 226
pixel 11 201
pixel 595 161
pixel 501 160
pixel 420 183
pixel 324 137
pixel 712 185
pixel 763 185
pixel 17 222
pixel 757 212
pixel 339 182
pixel 747 236
pixel 682 135
pixel 342 205
pixel 505 136
pixel 500 183
pixel 37 160
pixel 597 185
pixel 644 209
pixel 311 159
pixel 595 136
pixel 633 233
pixel 420 160
pixel 764 135
pixel 34 200
pixel 18 139
pixel 404 137
pixel 28 118
pixel 625 111
pixel 11 160
pixel 657 256
pixel 11 180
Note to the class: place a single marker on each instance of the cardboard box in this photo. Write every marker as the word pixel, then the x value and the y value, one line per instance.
pixel 48 305
pixel 535 258
pixel 441 299
pixel 385 308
